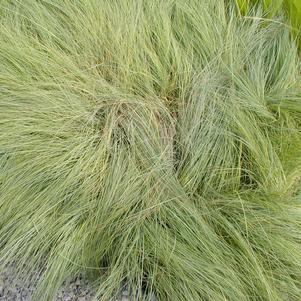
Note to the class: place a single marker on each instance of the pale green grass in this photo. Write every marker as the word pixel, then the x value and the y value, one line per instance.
pixel 155 143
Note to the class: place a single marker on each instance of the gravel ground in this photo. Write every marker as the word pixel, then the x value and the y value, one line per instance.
pixel 12 289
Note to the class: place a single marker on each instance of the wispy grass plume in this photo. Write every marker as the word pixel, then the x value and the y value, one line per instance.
pixel 153 143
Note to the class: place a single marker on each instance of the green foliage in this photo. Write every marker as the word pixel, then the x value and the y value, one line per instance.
pixel 294 9
pixel 274 7
pixel 270 7
pixel 154 143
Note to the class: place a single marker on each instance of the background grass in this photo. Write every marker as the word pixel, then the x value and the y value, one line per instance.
pixel 272 7
pixel 155 143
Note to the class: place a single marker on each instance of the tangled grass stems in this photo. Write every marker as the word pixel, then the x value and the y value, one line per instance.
pixel 271 8
pixel 153 143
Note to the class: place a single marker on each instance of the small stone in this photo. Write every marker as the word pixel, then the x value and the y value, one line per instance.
pixel 85 292
pixel 14 290
pixel 125 293
pixel 153 298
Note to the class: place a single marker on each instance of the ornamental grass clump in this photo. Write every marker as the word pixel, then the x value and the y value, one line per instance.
pixel 150 143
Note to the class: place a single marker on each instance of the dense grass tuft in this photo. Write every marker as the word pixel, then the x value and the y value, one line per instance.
pixel 154 143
